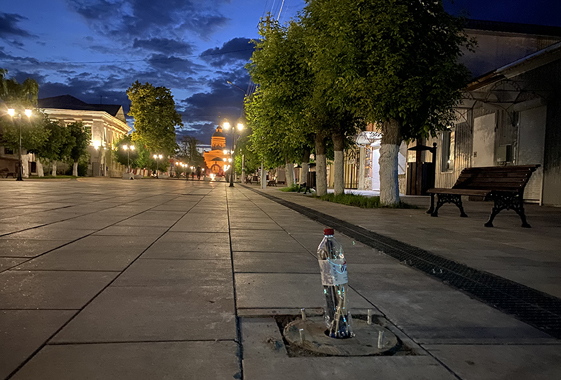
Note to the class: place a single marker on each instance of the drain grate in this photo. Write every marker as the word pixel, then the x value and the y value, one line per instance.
pixel 531 306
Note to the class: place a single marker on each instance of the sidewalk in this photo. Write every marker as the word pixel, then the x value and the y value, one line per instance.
pixel 162 279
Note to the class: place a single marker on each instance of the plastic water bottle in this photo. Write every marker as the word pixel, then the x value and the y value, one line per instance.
pixel 333 268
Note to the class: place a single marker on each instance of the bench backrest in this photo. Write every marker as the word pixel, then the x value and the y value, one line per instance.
pixel 499 178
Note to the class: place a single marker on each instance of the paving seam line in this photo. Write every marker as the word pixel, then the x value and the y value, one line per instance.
pixel 538 309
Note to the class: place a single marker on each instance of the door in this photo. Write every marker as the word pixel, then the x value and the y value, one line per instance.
pixel 484 141
pixel 531 141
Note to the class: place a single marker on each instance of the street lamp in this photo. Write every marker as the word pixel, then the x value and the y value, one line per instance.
pixel 240 127
pixel 12 113
pixel 128 148
pixel 157 157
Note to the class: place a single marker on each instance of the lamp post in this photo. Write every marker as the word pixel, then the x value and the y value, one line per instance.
pixel 12 113
pixel 128 148
pixel 157 157
pixel 240 127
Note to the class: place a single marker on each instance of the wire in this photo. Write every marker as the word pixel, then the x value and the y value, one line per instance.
pixel 133 60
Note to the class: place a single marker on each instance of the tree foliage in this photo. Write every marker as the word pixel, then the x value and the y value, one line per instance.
pixel 155 117
pixel 187 151
pixel 81 140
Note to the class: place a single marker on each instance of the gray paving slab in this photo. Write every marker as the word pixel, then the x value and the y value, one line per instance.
pixel 187 245
pixel 23 331
pixel 201 222
pixel 126 314
pixel 286 290
pixel 153 219
pixel 275 262
pixel 355 368
pixel 133 361
pixel 501 362
pixel 448 316
pixel 10 262
pixel 132 231
pixel 50 290
pixel 11 227
pixel 51 233
pixel 251 225
pixel 213 275
pixel 261 241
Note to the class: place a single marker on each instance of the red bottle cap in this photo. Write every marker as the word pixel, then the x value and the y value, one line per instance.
pixel 328 231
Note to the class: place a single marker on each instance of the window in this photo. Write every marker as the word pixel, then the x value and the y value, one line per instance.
pixel 448 147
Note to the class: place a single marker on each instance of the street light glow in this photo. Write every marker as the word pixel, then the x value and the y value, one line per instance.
pixel 160 156
pixel 11 112
pixel 226 125
pixel 27 112
pixel 240 126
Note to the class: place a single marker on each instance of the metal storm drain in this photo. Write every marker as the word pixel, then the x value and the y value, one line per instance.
pixel 370 339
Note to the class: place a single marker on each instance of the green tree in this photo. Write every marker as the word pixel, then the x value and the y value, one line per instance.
pixel 127 156
pixel 155 117
pixel 20 96
pixel 392 62
pixel 58 145
pixel 281 134
pixel 187 151
pixel 80 138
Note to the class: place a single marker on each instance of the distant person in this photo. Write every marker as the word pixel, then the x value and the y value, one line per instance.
pixel 199 173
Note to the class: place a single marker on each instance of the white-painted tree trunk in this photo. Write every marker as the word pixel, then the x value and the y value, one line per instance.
pixel 289 174
pixel 53 173
pixel 389 181
pixel 25 165
pixel 321 174
pixel 40 171
pixel 263 176
pixel 339 173
pixel 75 169
pixel 304 172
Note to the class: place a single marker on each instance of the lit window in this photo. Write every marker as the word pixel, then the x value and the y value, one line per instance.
pixel 448 145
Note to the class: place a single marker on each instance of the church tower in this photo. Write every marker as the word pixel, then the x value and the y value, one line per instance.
pixel 216 159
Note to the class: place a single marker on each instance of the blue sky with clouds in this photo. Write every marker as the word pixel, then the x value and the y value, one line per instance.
pixel 95 49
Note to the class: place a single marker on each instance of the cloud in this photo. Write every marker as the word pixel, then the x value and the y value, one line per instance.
pixel 173 64
pixel 125 19
pixel 231 52
pixel 8 26
pixel 164 46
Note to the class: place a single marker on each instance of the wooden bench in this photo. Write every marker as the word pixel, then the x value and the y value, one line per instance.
pixel 502 184
pixel 5 173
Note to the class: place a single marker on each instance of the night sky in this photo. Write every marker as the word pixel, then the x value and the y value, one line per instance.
pixel 95 49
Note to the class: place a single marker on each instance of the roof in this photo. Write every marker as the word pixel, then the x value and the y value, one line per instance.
pixel 543 57
pixel 71 103
pixel 510 27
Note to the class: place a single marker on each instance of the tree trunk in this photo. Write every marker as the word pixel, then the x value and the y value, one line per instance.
pixel 40 171
pixel 25 165
pixel 389 150
pixel 53 173
pixel 339 166
pixel 305 166
pixel 321 166
pixel 289 173
pixel 75 169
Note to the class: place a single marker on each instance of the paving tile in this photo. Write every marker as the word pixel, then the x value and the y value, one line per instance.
pixel 50 290
pixel 133 361
pixel 211 274
pixel 51 233
pixel 9 262
pixel 187 245
pixel 275 262
pixel 126 314
pixel 132 231
pixel 355 368
pixel 448 316
pixel 260 241
pixel 22 332
pixel 501 362
pixel 286 290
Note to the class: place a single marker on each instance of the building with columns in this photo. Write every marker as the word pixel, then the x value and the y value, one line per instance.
pixel 106 122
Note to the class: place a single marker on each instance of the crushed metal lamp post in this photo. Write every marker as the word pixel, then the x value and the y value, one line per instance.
pixel 333 268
